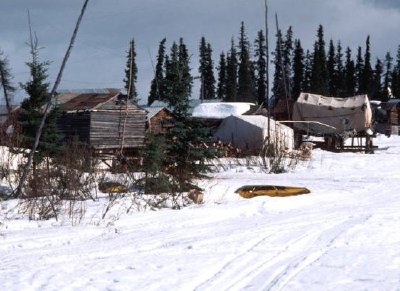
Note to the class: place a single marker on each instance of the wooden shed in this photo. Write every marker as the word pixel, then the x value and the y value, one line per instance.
pixel 157 119
pixel 393 111
pixel 107 122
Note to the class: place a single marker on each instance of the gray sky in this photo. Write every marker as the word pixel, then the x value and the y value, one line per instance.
pixel 99 56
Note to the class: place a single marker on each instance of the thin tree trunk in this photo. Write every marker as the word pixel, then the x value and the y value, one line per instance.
pixel 18 191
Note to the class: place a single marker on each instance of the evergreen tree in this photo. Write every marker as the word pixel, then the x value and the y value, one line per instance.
pixel 377 90
pixel 184 61
pixel 231 74
pixel 222 78
pixel 306 84
pixel 387 77
pixel 37 88
pixel 339 72
pixel 367 74
pixel 245 92
pixel 157 89
pixel 287 52
pixel 319 76
pixel 396 76
pixel 131 73
pixel 206 70
pixel 260 66
pixel 178 81
pixel 5 81
pixel 359 69
pixel 185 156
pixel 298 69
pixel 331 68
pixel 278 84
pixel 349 75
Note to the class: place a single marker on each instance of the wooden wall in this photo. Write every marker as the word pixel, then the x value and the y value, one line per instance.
pixel 107 129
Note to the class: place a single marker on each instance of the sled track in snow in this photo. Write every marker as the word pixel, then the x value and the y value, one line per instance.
pixel 253 270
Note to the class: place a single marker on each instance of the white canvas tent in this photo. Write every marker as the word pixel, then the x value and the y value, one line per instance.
pixel 339 114
pixel 249 132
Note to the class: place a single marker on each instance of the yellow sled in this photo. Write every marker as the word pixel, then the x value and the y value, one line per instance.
pixel 270 190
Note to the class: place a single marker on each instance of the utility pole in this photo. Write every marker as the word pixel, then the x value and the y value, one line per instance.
pixel 285 85
pixel 267 70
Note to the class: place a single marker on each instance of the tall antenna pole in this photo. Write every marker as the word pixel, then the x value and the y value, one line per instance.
pixel 285 85
pixel 267 69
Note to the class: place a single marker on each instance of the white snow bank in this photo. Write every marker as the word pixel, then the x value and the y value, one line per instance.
pixel 344 235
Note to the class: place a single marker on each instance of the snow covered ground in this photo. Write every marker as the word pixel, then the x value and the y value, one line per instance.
pixel 344 235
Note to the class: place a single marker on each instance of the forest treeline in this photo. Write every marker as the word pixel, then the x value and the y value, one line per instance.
pixel 240 73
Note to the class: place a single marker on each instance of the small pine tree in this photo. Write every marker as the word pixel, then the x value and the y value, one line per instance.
pixel 359 69
pixel 31 114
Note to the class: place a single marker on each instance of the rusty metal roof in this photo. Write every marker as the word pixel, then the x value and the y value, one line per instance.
pixel 86 101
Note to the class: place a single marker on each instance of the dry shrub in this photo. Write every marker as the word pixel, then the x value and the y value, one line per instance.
pixel 60 185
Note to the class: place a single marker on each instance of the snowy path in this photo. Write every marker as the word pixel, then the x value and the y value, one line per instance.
pixel 345 235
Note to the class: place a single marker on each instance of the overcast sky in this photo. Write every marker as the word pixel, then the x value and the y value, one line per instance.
pixel 99 56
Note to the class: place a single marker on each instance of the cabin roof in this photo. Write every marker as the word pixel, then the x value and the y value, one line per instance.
pixel 86 101
pixel 152 111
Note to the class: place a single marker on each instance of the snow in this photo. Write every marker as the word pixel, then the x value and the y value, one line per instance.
pixel 220 110
pixel 344 235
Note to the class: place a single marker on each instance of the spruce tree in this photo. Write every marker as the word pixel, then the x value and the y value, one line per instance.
pixel 331 68
pixel 377 90
pixel 359 69
pixel 387 77
pixel 339 72
pixel 396 76
pixel 298 69
pixel 37 89
pixel 349 75
pixel 231 74
pixel 287 58
pixel 245 92
pixel 222 78
pixel 131 73
pixel 178 80
pixel 206 70
pixel 306 84
pixel 185 155
pixel 367 74
pixel 157 89
pixel 319 77
pixel 278 85
pixel 260 66
pixel 5 81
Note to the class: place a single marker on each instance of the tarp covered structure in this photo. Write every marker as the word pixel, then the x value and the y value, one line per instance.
pixel 250 132
pixel 321 115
